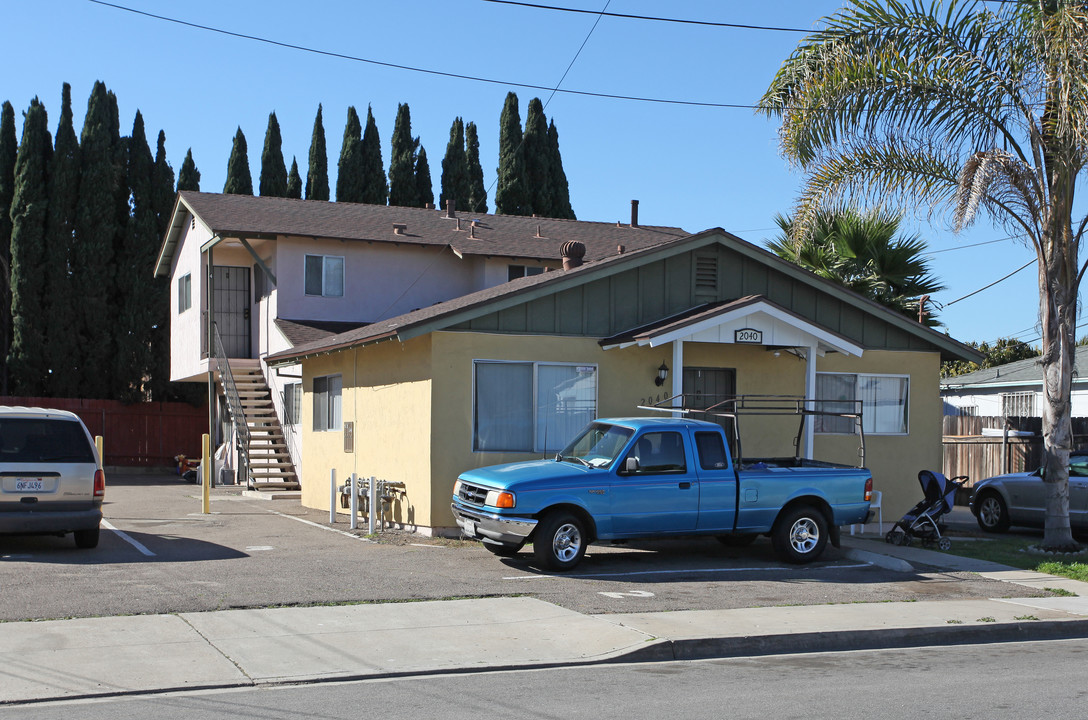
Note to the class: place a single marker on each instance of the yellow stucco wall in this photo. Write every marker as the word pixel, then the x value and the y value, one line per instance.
pixel 894 460
pixel 412 405
pixel 387 394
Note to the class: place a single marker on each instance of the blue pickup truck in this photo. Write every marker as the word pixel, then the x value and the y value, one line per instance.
pixel 650 477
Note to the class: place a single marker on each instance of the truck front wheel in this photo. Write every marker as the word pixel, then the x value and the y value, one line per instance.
pixel 800 535
pixel 560 541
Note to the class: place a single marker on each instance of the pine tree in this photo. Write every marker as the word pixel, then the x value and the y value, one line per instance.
pixel 349 171
pixel 317 176
pixel 188 176
pixel 402 161
pixel 537 157
pixel 60 303
pixel 8 150
pixel 424 189
pixel 162 180
pixel 29 213
pixel 511 197
pixel 134 318
pixel 294 181
pixel 560 189
pixel 239 180
pixel 375 187
pixel 273 170
pixel 455 169
pixel 477 192
pixel 93 247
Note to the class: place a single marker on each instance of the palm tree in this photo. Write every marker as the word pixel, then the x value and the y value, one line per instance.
pixel 862 252
pixel 960 108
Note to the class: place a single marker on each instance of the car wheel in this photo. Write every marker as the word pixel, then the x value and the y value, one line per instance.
pixel 992 514
pixel 560 541
pixel 800 535
pixel 738 540
pixel 503 549
pixel 86 539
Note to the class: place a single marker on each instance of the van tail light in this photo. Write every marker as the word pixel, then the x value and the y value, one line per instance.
pixel 99 483
pixel 869 490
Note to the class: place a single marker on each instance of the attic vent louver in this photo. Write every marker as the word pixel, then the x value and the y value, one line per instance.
pixel 706 277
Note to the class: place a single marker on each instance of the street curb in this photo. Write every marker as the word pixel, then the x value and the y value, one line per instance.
pixel 885 561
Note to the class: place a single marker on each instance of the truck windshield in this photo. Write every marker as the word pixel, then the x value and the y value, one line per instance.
pixel 598 445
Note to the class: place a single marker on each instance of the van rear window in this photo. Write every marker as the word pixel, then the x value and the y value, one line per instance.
pixel 36 440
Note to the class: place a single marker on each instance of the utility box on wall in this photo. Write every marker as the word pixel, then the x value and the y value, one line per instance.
pixel 349 437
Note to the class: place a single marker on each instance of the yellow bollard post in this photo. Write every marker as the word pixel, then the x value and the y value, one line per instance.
pixel 98 445
pixel 205 465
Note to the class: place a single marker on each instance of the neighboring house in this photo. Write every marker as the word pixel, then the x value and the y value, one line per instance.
pixel 291 272
pixel 1011 390
pixel 510 372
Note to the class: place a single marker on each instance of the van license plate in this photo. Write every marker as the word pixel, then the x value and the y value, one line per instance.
pixel 27 485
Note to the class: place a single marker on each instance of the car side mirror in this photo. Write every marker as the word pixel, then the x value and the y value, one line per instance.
pixel 630 465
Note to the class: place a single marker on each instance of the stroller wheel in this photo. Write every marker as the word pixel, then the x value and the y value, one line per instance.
pixel 944 544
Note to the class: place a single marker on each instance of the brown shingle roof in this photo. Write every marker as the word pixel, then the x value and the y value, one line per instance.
pixel 300 332
pixel 504 235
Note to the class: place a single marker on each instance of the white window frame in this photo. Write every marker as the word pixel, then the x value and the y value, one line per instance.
pixel 292 403
pixel 325 272
pixel 858 377
pixel 1017 401
pixel 328 415
pixel 535 410
pixel 185 292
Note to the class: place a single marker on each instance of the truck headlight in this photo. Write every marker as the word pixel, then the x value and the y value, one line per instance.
pixel 457 488
pixel 500 499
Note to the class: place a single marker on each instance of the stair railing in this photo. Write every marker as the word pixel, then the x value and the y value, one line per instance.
pixel 234 405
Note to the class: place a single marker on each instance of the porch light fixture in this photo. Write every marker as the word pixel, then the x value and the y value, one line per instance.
pixel 662 375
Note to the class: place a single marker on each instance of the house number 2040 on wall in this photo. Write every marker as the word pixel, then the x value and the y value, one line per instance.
pixel 748 335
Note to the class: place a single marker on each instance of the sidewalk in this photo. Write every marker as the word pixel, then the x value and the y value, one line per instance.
pixel 240 648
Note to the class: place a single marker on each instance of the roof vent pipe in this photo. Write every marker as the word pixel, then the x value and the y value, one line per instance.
pixel 451 208
pixel 472 231
pixel 634 213
pixel 399 228
pixel 572 253
pixel 621 249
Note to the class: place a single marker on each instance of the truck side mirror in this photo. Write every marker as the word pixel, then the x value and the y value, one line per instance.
pixel 630 465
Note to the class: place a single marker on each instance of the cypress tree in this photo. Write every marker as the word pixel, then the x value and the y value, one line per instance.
pixel 294 181
pixel 93 247
pixel 273 170
pixel 477 193
pixel 162 180
pixel 8 150
pixel 188 176
pixel 317 176
pixel 375 187
pixel 455 169
pixel 60 304
pixel 349 171
pixel 560 189
pixel 402 161
pixel 537 156
pixel 29 213
pixel 134 315
pixel 239 180
pixel 511 197
pixel 424 189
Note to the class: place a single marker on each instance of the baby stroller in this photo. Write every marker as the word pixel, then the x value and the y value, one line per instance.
pixel 920 522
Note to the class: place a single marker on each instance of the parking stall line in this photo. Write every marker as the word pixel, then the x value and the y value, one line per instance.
pixel 124 536
pixel 676 572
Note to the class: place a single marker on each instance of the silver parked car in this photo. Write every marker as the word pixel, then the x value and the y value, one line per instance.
pixel 51 479
pixel 1020 498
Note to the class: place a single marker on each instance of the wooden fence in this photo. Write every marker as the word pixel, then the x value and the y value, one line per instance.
pixel 136 435
pixel 967 451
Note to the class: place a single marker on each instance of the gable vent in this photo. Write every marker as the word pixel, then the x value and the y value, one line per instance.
pixel 706 278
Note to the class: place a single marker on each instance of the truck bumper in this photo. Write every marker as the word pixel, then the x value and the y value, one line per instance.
pixel 480 525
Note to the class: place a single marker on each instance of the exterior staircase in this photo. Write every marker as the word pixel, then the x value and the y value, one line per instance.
pixel 270 464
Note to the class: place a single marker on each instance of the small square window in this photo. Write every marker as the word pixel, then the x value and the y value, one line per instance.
pixel 324 275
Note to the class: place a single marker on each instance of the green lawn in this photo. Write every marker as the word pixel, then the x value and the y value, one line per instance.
pixel 1013 551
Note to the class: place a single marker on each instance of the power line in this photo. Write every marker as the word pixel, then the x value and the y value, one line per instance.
pixel 411 68
pixel 964 247
pixel 995 282
pixel 649 17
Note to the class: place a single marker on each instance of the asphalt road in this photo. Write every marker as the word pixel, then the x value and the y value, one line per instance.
pixel 165 556
pixel 1021 680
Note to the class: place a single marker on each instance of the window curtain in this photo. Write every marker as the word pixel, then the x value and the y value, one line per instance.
pixel 334 277
pixel 566 402
pixel 884 400
pixel 836 387
pixel 504 406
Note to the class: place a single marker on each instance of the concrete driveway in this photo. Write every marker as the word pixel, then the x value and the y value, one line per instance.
pixel 161 555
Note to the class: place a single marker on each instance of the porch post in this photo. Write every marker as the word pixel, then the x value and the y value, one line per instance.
pixel 677 374
pixel 810 396
pixel 210 470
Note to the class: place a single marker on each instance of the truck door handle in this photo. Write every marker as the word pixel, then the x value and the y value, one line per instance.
pixel 685 486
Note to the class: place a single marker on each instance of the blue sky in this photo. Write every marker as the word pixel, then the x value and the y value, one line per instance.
pixel 689 166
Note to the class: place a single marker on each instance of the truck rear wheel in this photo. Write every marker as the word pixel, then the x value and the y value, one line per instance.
pixel 800 535
pixel 560 541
